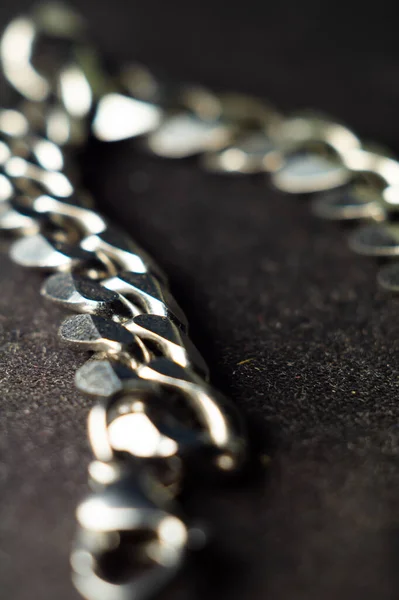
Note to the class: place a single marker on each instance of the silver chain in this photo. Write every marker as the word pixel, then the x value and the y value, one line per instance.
pixel 155 413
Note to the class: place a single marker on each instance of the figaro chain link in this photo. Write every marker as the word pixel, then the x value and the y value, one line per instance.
pixel 155 412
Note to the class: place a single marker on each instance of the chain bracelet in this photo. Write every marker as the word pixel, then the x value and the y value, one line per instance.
pixel 155 412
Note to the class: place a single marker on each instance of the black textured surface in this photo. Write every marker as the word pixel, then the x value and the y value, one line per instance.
pixel 291 322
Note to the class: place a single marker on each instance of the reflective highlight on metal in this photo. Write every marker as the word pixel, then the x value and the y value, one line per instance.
pixel 186 135
pixel 155 414
pixel 108 520
pixel 84 295
pixel 376 240
pixel 154 402
pixel 252 152
pixel 350 203
pixel 307 173
pixel 314 150
pixel 119 117
pixel 150 294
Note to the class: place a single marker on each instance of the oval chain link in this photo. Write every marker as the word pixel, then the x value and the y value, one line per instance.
pixel 155 414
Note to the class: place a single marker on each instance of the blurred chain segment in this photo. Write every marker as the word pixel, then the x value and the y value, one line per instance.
pixel 155 414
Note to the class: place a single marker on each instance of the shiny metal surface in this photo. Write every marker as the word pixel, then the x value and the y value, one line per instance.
pixel 84 295
pixel 185 134
pixel 251 152
pixel 125 253
pixel 119 117
pixel 91 332
pixel 308 173
pixel 376 240
pixel 108 520
pixel 154 401
pixel 314 154
pixel 350 203
pixel 41 252
pixel 53 24
pixel 171 340
pixel 16 220
pixel 155 412
pixel 149 293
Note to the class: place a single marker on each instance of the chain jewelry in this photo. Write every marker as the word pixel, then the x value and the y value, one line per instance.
pixel 155 415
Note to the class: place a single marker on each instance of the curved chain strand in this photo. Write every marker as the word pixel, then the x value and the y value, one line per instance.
pixel 155 413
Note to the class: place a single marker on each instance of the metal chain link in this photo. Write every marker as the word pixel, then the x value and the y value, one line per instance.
pixel 155 412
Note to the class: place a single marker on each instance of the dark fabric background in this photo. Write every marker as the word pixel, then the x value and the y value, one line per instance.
pixel 262 281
